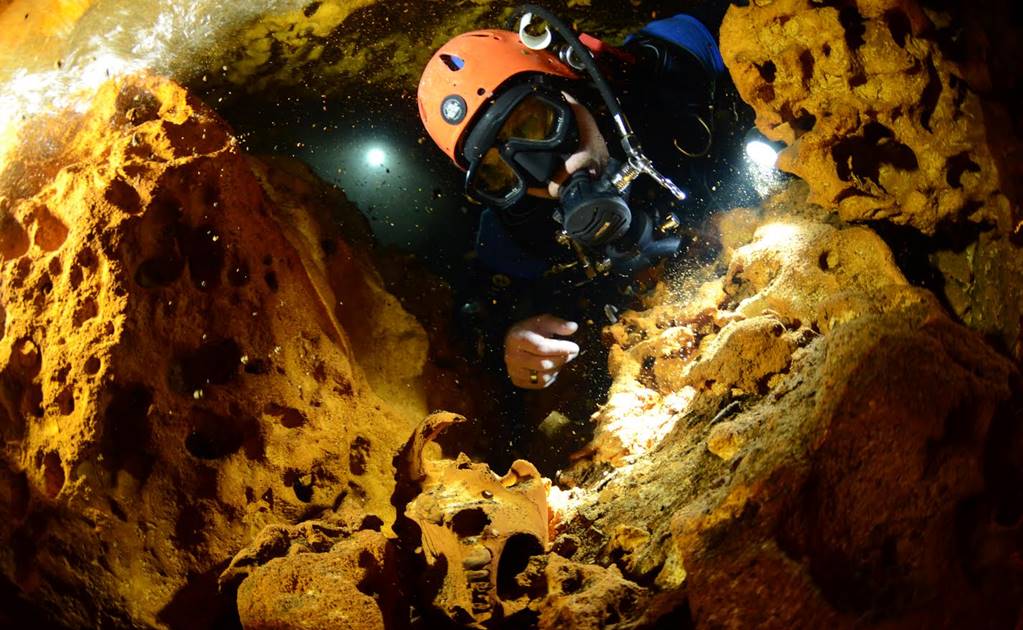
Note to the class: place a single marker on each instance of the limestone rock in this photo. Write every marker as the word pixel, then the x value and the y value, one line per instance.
pixel 317 575
pixel 587 596
pixel 807 441
pixel 184 359
pixel 876 117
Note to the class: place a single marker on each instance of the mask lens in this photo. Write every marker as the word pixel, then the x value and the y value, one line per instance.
pixel 494 177
pixel 532 119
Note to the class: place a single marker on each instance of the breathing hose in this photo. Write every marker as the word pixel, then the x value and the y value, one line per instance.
pixel 637 161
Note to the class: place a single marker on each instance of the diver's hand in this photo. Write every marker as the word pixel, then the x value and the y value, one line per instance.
pixel 532 356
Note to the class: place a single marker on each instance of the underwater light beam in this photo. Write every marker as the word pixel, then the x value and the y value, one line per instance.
pixel 376 157
pixel 762 154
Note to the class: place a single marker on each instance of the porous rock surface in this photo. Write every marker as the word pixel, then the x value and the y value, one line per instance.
pixel 797 440
pixel 823 445
pixel 877 118
pixel 185 357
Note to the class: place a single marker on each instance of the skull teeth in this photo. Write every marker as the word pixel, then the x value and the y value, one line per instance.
pixel 477 558
pixel 478 575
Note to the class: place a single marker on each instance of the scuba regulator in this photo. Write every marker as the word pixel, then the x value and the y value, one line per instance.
pixel 597 222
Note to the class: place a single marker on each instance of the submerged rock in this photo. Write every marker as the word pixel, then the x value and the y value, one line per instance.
pixel 877 118
pixel 186 356
pixel 819 446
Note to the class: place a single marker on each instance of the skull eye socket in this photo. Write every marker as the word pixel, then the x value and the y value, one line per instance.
pixel 514 560
pixel 469 522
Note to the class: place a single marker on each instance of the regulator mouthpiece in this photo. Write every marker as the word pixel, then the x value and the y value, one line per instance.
pixel 593 212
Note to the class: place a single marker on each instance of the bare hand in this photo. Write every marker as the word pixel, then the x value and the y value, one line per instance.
pixel 532 356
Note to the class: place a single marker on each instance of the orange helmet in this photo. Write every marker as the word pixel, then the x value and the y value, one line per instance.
pixel 466 72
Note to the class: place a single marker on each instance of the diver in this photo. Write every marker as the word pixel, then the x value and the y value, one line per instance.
pixel 569 215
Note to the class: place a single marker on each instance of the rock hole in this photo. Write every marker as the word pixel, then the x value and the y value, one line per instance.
pixel 857 79
pixel 53 474
pixel 135 105
pixel 768 71
pixel 898 26
pixel 123 195
pixel 289 418
pixel 271 281
pixel 930 96
pixel 514 560
pixel 861 157
pixel 469 522
pixel 358 453
pixel 854 26
pixel 311 8
pixel 55 268
pixel 822 260
pixel 159 272
pixel 27 358
pixel 45 284
pixel 66 401
pixel 91 365
pixel 826 49
pixel 116 510
pixel 301 485
pixel 205 253
pixel 85 311
pixel 50 231
pixel 957 165
pixel 213 363
pixel 806 64
pixel 84 260
pixel 190 525
pixel 765 93
pixel 804 122
pixel 13 238
pixel 257 367
pixel 213 436
pixel 572 583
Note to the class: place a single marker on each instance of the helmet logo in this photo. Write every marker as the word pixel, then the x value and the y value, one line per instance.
pixel 453 109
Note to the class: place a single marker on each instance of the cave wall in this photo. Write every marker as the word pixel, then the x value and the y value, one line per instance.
pixel 819 446
pixel 187 355
pixel 893 115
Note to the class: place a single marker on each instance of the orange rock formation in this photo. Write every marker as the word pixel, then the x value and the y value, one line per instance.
pixel 185 357
pixel 807 440
pixel 878 120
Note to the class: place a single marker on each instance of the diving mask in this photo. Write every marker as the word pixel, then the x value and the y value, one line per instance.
pixel 519 143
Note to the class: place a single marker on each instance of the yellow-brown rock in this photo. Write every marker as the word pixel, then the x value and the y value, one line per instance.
pixel 807 441
pixel 178 362
pixel 877 119
pixel 317 575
